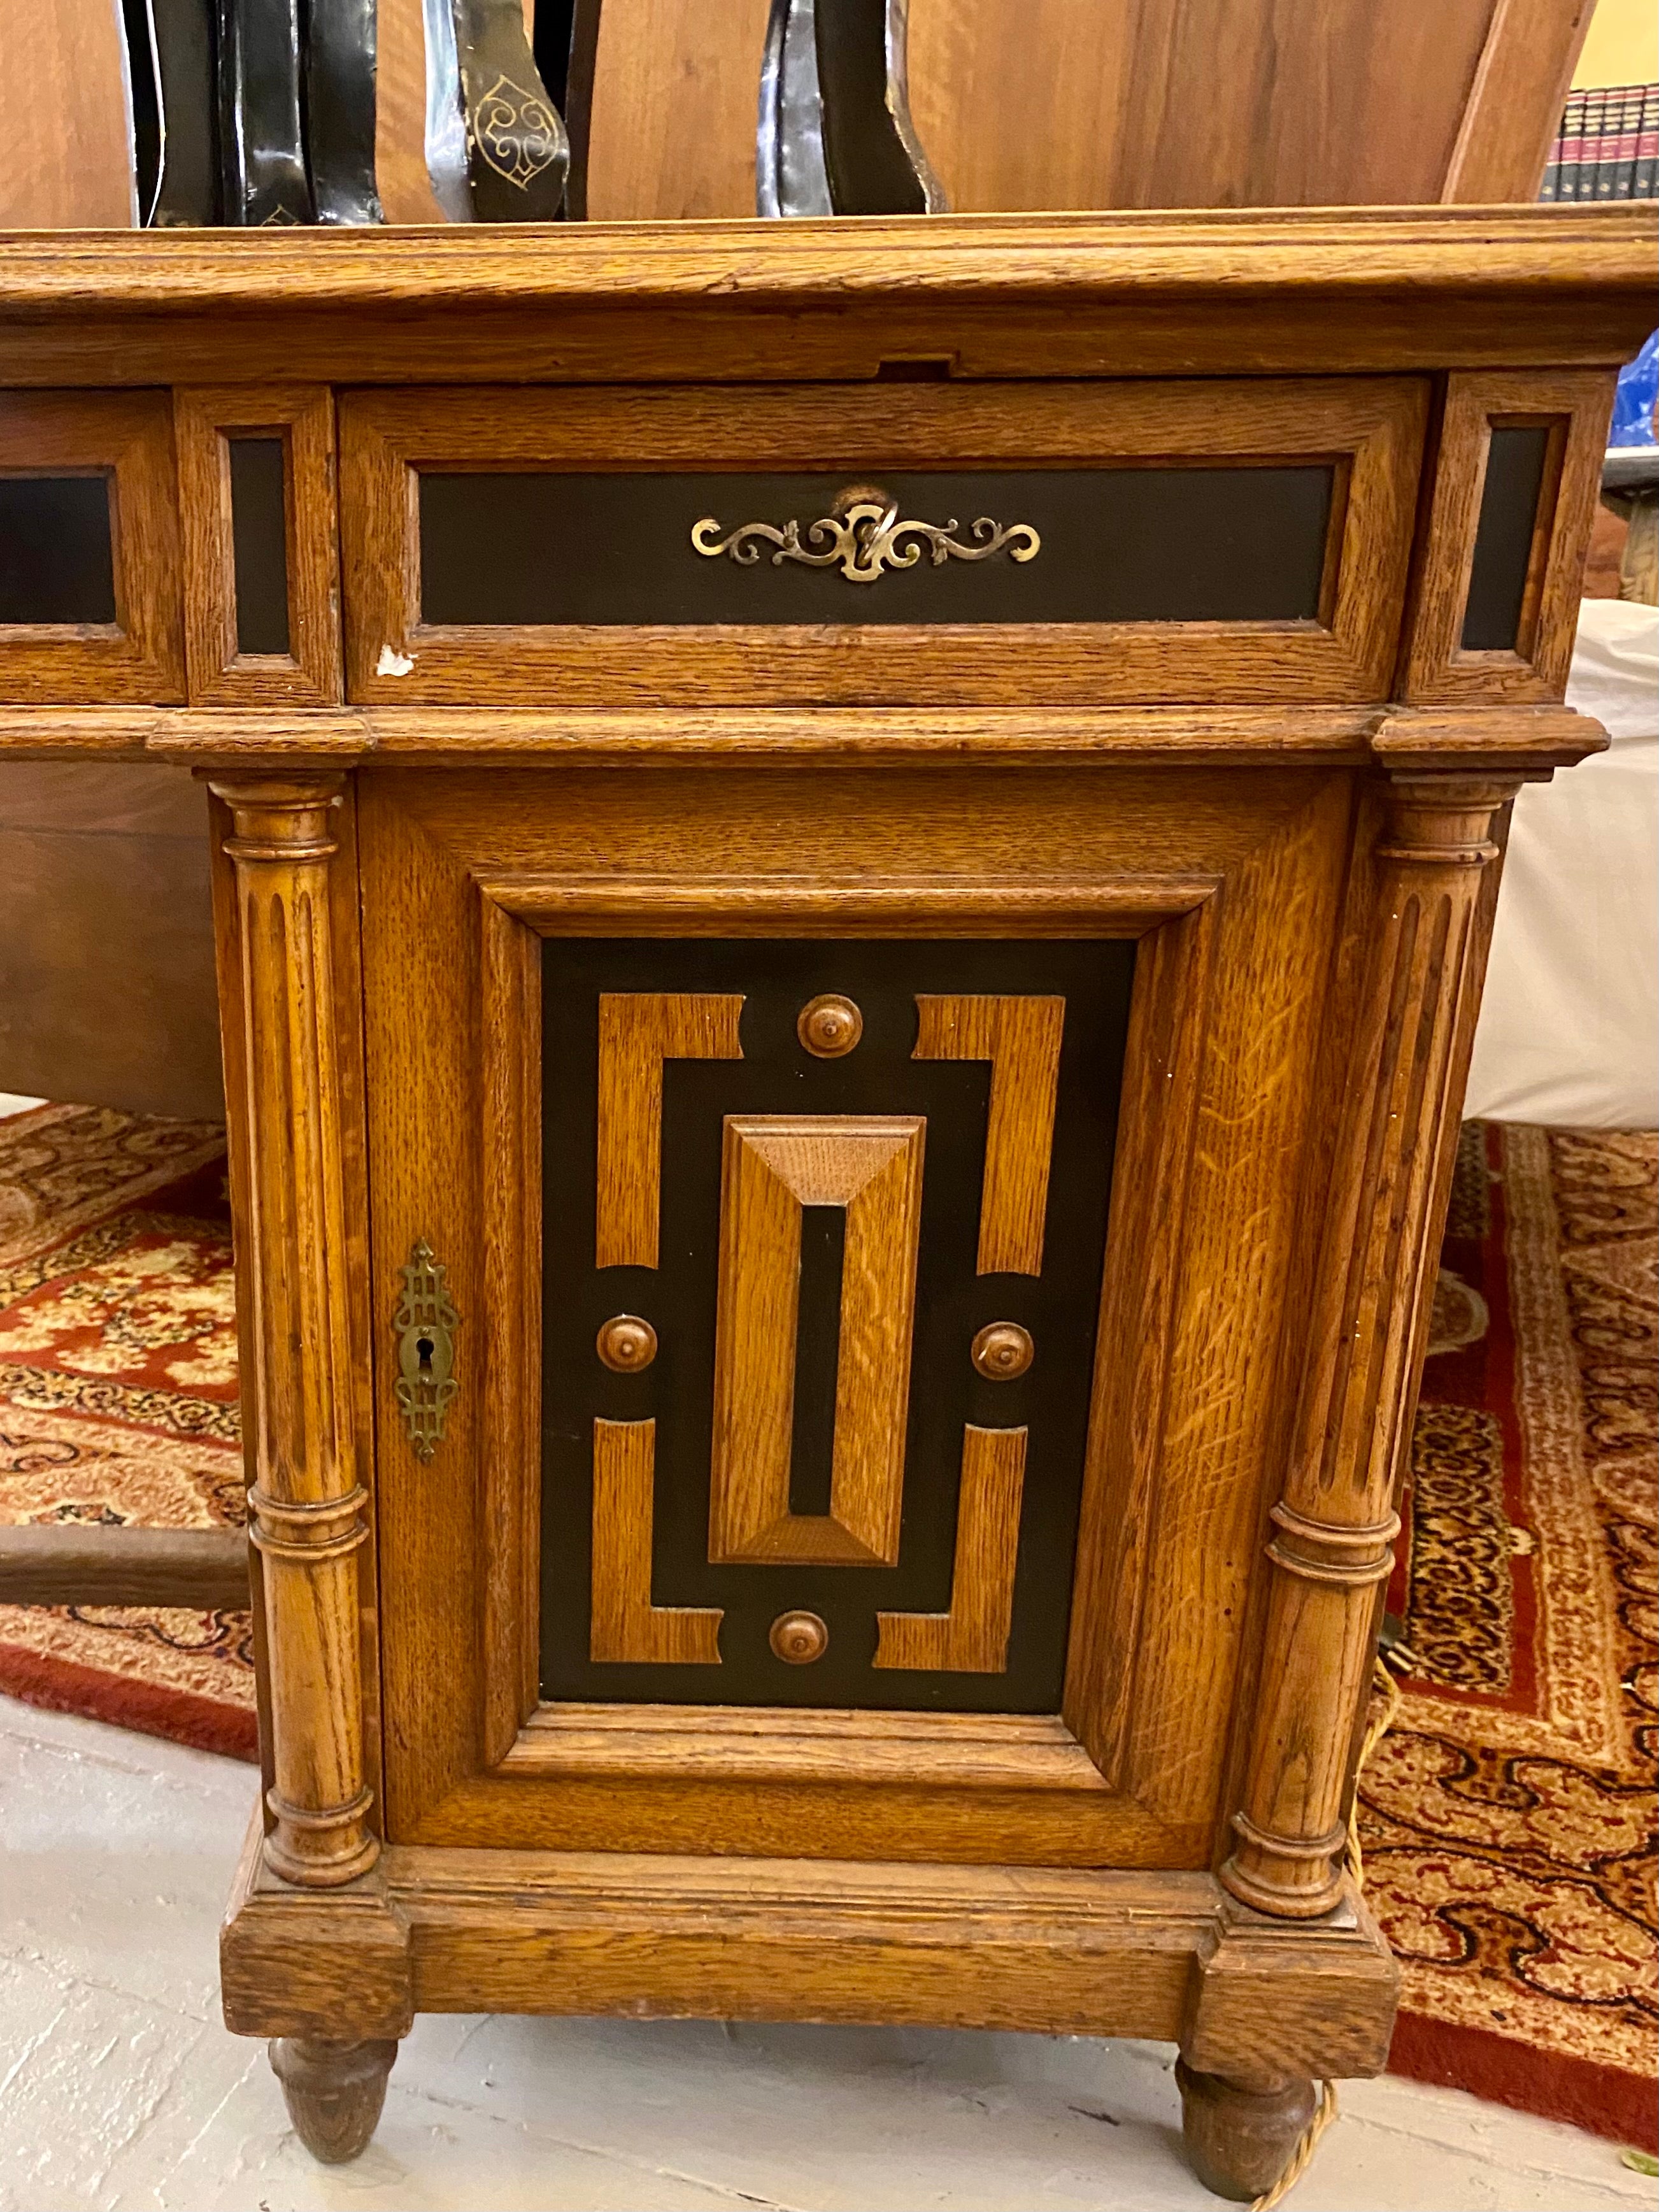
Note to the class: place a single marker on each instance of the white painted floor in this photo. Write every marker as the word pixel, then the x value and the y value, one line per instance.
pixel 120 2090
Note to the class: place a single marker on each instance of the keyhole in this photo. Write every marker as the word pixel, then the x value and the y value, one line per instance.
pixel 423 1345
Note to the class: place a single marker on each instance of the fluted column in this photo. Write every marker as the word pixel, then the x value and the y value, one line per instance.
pixel 306 1505
pixel 1334 1522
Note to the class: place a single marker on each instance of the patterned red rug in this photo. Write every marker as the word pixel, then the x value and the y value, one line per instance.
pixel 117 1403
pixel 1508 1819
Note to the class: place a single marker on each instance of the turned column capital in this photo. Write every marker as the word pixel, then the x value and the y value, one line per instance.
pixel 1442 821
pixel 284 816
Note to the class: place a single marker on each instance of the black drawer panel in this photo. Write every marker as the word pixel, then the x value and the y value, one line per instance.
pixel 1240 543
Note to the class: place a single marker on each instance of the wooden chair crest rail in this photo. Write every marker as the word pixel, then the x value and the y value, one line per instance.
pixel 852 872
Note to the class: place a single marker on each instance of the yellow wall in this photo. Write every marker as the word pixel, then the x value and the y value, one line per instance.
pixel 1623 45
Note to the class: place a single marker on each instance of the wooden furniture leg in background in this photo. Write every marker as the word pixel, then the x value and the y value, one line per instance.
pixel 333 2092
pixel 68 1563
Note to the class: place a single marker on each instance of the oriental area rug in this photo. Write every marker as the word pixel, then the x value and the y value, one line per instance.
pixel 1507 1818
pixel 117 1403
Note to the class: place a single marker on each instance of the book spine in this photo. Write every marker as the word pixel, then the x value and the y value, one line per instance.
pixel 1647 146
pixel 1589 172
pixel 1571 148
pixel 1617 144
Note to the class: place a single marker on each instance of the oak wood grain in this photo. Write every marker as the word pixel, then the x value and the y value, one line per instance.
pixel 299 1961
pixel 305 1505
pixel 333 2090
pixel 1251 2022
pixel 1276 819
pixel 127 438
pixel 772 1167
pixel 430 845
pixel 973 1636
pixel 1020 1038
pixel 1157 1108
pixel 785 1744
pixel 1086 1952
pixel 638 1030
pixel 1240 1305
pixel 1529 741
pixel 510 1040
pixel 229 972
pixel 1435 667
pixel 1333 1523
pixel 309 673
pixel 732 905
pixel 626 1625
pixel 1239 2140
pixel 1217 292
pixel 1372 433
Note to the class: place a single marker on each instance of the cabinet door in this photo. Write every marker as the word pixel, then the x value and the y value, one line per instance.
pixel 829 1258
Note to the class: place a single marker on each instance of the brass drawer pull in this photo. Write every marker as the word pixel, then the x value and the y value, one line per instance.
pixel 862 536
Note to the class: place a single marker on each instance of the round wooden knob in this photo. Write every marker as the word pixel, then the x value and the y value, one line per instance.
pixel 799 1639
pixel 627 1344
pixel 829 1026
pixel 1002 1351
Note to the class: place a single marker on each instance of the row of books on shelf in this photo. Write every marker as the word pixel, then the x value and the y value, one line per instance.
pixel 1608 148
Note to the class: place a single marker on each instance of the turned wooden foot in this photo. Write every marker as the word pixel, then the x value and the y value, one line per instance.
pixel 1240 2140
pixel 334 2093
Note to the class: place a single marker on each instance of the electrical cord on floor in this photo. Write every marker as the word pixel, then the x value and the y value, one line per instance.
pixel 1307 2142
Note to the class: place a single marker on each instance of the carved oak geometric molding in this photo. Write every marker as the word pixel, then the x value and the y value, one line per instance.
pixel 779 1383
pixel 972 1638
pixel 626 1626
pixel 1020 1038
pixel 775 1165
pixel 638 1030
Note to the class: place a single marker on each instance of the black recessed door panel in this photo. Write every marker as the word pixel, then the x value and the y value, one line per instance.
pixel 917 1205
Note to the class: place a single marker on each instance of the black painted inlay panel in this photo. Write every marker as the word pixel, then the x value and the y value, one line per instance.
pixel 1502 541
pixel 1119 545
pixel 57 560
pixel 259 519
pixel 817 1342
pixel 1060 1308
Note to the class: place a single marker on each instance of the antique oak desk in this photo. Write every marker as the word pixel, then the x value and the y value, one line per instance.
pixel 853 868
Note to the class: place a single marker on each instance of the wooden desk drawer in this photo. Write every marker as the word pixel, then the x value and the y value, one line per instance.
pixel 886 544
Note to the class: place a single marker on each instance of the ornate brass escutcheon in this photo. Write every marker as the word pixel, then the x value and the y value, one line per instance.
pixel 425 1323
pixel 863 537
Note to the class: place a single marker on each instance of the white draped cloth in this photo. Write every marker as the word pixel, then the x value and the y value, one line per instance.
pixel 1569 1029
